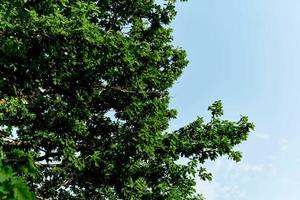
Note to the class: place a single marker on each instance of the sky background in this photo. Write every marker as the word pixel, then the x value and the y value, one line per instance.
pixel 246 53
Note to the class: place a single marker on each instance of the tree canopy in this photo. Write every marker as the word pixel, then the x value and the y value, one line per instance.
pixel 84 104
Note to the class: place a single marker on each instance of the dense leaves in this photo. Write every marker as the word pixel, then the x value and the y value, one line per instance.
pixel 12 187
pixel 84 103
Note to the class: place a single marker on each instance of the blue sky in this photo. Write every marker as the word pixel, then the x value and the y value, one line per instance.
pixel 246 53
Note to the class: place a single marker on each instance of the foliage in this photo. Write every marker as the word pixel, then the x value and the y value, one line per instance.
pixel 12 187
pixel 84 103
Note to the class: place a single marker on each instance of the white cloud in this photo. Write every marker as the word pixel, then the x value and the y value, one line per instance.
pixel 209 189
pixel 214 190
pixel 263 136
pixel 284 181
pixel 283 144
pixel 230 179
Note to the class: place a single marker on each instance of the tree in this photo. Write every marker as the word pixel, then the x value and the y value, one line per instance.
pixel 84 102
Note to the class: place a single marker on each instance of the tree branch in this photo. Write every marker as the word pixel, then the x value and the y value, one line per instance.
pixel 124 90
pixel 12 142
pixel 30 3
pixel 48 165
pixel 47 155
pixel 120 89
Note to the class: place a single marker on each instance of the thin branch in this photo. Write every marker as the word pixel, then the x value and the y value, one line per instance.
pixel 2 101
pixel 66 182
pixel 18 35
pixel 48 165
pixel 19 97
pixel 12 142
pixel 120 89
pixel 29 3
pixel 124 90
